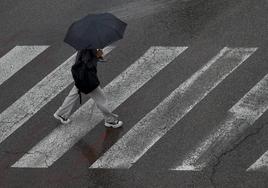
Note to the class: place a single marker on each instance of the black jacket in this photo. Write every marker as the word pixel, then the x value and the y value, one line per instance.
pixel 91 80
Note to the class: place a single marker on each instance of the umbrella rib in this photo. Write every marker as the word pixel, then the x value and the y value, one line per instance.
pixel 105 25
pixel 113 29
pixel 96 28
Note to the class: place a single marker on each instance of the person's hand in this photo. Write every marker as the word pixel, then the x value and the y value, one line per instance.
pixel 99 53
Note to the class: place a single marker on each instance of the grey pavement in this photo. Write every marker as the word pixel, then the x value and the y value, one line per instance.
pixel 204 26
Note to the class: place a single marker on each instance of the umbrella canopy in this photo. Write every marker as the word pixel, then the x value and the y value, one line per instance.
pixel 95 31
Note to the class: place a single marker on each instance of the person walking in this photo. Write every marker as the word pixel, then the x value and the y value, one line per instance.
pixel 88 36
pixel 90 57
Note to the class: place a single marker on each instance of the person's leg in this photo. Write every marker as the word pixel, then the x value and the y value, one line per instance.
pixel 68 103
pixel 98 96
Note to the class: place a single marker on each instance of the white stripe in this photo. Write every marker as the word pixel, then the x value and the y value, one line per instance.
pixel 16 59
pixel 52 147
pixel 37 97
pixel 261 164
pixel 155 124
pixel 229 132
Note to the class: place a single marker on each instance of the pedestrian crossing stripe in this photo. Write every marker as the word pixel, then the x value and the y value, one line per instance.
pixel 16 59
pixel 41 156
pixel 261 164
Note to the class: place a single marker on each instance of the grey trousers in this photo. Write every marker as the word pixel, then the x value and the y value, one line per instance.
pixel 97 95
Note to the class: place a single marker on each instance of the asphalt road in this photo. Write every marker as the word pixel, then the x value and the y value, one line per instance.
pixel 205 27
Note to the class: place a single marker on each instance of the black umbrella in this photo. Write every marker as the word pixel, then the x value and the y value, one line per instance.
pixel 95 31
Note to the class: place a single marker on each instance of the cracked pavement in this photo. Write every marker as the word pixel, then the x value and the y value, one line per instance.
pixel 254 132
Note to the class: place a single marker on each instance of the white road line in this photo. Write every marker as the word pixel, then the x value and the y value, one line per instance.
pixel 53 146
pixel 155 124
pixel 38 96
pixel 16 59
pixel 230 131
pixel 261 164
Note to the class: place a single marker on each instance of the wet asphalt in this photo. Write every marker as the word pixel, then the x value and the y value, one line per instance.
pixel 205 26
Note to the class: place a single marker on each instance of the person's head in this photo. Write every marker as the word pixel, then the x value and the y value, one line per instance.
pixel 87 54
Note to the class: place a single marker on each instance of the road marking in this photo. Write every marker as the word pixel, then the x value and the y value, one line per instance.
pixel 229 132
pixel 16 59
pixel 160 120
pixel 261 164
pixel 37 97
pixel 53 146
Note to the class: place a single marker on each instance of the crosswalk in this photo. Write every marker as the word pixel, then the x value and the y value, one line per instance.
pixel 152 127
pixel 122 87
pixel 161 119
pixel 242 115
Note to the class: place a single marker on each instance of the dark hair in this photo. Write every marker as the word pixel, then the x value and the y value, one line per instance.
pixel 86 55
